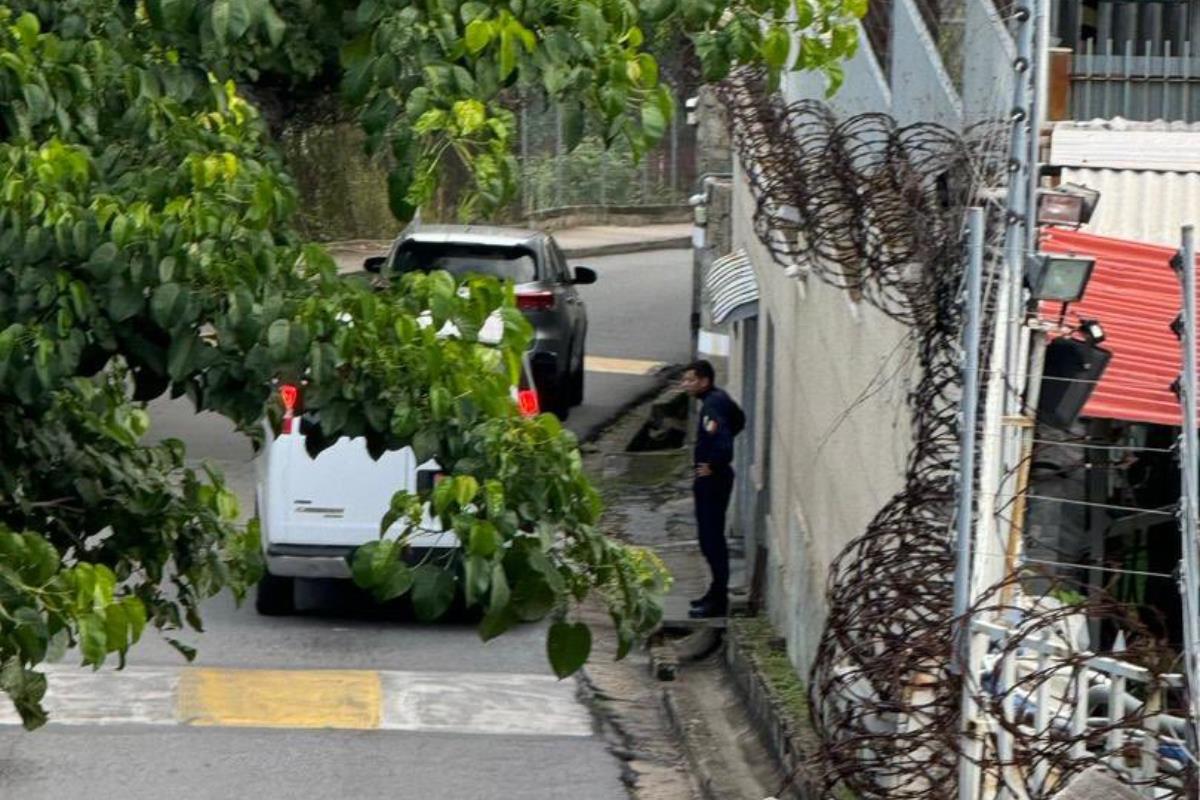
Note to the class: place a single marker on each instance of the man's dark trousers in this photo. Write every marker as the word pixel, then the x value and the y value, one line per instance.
pixel 712 500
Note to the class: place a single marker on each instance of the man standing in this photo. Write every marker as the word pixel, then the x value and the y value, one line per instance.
pixel 720 421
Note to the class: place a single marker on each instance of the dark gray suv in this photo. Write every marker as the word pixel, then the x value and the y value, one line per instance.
pixel 545 288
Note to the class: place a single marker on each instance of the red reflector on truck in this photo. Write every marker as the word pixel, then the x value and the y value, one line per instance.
pixel 527 400
pixel 289 395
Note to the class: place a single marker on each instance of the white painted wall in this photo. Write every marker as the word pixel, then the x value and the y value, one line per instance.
pixel 987 67
pixel 835 458
pixel 921 88
pixel 865 88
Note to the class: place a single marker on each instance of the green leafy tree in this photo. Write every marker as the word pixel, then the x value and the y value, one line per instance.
pixel 146 247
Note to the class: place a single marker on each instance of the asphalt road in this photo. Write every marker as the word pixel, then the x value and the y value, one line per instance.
pixel 343 699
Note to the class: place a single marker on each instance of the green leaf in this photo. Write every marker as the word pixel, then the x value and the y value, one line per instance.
pixel 478 36
pixel 28 28
pixel 776 46
pixel 186 650
pixel 368 565
pixel 653 121
pixel 568 646
pixel 655 11
pixel 433 592
pixel 274 25
pixel 465 489
pixel 168 306
pixel 425 445
pixel 93 639
pixel 510 48
pixel 469 115
pixel 804 11
pixel 648 66
pixel 181 355
pixel 396 581
pixel 485 539
pixel 135 614
pixel 219 18
pixel 533 597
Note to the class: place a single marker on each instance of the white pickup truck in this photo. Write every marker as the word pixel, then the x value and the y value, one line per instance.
pixel 314 512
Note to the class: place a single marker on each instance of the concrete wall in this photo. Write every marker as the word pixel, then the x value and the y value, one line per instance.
pixel 865 88
pixel 835 457
pixel 826 457
pixel 987 66
pixel 921 88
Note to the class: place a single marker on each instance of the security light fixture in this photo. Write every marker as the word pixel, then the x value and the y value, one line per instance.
pixel 1056 277
pixel 690 105
pixel 1092 331
pixel 1067 204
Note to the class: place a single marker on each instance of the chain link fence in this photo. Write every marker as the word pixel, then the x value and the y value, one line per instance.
pixel 590 174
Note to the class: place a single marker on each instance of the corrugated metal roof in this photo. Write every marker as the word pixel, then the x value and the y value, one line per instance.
pixel 1135 295
pixel 1158 147
pixel 731 286
pixel 1144 206
pixel 1122 124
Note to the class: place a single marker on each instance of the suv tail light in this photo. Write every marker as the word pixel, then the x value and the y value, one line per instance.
pixel 527 401
pixel 289 395
pixel 535 301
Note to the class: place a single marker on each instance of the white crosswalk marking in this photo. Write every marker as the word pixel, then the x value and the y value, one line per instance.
pixel 471 703
pixel 482 703
pixel 83 697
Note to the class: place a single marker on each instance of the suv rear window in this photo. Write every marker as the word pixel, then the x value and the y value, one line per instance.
pixel 515 264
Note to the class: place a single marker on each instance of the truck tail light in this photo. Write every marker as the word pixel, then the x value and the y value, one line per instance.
pixel 527 401
pixel 535 301
pixel 289 395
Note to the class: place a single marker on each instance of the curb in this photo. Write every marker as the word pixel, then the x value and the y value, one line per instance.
pixel 777 731
pixel 662 379
pixel 700 772
pixel 624 248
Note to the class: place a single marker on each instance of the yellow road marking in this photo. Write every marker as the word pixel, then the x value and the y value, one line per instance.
pixel 621 366
pixel 280 698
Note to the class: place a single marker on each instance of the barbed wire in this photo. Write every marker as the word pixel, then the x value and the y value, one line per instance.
pixel 878 209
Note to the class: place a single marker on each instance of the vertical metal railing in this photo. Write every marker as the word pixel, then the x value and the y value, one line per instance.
pixel 1141 735
pixel 1110 79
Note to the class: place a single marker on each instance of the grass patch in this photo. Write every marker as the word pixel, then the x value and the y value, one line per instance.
pixel 764 646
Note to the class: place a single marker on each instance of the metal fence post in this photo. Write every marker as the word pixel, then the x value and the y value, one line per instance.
pixel 560 161
pixel 968 765
pixel 1189 579
pixel 526 182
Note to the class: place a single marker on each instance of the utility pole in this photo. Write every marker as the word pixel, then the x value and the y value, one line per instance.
pixel 1189 457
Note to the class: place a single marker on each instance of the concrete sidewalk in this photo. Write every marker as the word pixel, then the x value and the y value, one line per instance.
pixel 582 242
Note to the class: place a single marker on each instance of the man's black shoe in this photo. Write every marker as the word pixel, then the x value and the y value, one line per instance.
pixel 708 611
pixel 699 601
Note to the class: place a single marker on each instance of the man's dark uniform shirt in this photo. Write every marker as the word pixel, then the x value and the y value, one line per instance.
pixel 714 436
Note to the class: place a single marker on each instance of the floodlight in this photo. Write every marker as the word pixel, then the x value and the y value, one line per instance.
pixel 1057 277
pixel 1067 204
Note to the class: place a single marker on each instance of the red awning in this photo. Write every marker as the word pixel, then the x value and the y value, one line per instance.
pixel 1135 295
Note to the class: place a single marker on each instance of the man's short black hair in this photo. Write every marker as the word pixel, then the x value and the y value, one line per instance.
pixel 703 369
